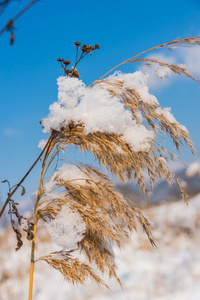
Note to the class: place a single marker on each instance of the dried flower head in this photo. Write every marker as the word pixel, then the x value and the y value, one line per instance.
pixel 66 62
pixel 77 44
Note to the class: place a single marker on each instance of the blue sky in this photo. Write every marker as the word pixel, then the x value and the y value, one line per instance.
pixel 28 69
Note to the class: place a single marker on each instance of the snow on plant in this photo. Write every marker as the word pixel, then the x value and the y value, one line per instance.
pixel 66 232
pixel 123 126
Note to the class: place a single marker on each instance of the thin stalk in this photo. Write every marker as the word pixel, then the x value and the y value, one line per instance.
pixel 35 218
pixel 164 45
pixel 33 241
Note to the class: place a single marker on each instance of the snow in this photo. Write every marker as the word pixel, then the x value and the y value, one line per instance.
pixel 101 112
pixel 42 143
pixel 67 229
pixel 67 173
pixel 166 113
pixel 98 110
pixel 138 81
pixel 24 224
pixel 138 137
pixel 69 90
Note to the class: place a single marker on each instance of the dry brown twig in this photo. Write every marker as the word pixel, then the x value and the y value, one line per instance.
pixel 10 24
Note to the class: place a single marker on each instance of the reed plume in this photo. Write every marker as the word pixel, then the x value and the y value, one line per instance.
pixel 118 121
pixel 108 217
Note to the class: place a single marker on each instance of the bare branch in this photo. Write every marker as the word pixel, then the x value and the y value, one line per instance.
pixel 9 26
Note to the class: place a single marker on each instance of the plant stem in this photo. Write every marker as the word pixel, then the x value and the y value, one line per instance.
pixel 175 42
pixel 35 218
pixel 33 241
pixel 32 260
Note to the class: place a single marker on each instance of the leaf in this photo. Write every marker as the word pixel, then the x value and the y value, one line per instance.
pixel 23 191
pixel 12 38
pixel 4 181
pixel 30 235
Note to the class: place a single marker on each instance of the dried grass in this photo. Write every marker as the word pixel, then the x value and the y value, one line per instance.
pixel 109 218
pixel 72 269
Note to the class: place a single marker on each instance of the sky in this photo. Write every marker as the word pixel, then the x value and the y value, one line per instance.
pixel 48 30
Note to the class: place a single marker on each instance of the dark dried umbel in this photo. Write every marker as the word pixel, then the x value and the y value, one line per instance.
pixel 84 51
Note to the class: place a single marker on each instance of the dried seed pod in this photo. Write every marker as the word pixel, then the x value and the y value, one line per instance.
pixel 59 59
pixel 76 74
pixel 77 44
pixel 97 46
pixel 67 71
pixel 66 62
pixel 84 48
pixel 90 47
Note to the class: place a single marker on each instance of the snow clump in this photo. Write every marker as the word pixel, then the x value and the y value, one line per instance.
pixel 97 110
pixel 67 229
pixel 67 173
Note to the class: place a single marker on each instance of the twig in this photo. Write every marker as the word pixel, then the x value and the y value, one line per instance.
pixel 3 5
pixel 11 21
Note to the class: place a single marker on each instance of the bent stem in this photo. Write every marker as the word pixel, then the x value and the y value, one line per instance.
pixel 183 42
pixel 35 216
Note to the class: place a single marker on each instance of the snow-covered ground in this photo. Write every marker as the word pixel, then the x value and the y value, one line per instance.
pixel 169 272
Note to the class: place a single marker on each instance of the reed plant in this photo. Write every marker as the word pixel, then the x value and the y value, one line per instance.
pixel 79 204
